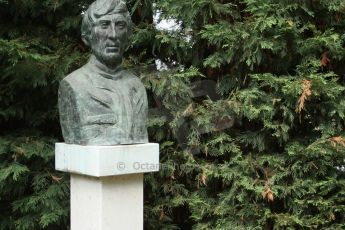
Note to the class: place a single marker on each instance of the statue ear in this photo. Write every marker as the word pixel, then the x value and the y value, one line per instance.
pixel 85 40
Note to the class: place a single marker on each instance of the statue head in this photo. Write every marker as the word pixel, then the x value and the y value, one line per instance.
pixel 106 27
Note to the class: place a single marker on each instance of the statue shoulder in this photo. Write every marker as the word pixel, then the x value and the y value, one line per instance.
pixel 75 81
pixel 133 78
pixel 76 76
pixel 130 74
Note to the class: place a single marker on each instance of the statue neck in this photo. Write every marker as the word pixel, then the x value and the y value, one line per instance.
pixel 99 65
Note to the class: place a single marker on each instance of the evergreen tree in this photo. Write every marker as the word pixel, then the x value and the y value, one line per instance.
pixel 39 44
pixel 278 66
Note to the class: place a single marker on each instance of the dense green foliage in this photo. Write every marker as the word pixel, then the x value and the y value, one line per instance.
pixel 38 46
pixel 264 152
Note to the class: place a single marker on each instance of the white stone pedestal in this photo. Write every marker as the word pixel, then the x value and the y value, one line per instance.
pixel 107 183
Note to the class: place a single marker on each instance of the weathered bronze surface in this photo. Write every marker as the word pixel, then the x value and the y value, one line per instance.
pixel 101 103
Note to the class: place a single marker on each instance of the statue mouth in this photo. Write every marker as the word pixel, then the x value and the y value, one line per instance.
pixel 112 49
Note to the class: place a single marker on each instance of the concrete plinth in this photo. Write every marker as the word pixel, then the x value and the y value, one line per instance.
pixel 107 183
pixel 107 203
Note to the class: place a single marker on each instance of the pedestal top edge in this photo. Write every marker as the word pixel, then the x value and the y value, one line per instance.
pixel 106 146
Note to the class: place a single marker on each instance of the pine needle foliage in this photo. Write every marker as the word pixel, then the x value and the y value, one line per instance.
pixel 32 195
pixel 248 107
pixel 268 152
pixel 39 44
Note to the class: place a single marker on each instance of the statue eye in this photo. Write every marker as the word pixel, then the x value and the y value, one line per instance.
pixel 121 25
pixel 104 24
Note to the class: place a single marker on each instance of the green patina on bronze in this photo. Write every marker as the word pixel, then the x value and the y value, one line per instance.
pixel 101 103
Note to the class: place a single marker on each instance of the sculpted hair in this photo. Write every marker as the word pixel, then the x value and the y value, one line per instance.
pixel 100 8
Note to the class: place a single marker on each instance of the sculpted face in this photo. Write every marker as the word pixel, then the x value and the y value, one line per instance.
pixel 109 39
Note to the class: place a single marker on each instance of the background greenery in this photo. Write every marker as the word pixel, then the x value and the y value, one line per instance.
pixel 249 111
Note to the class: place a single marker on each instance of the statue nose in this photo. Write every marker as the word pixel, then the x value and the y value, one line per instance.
pixel 113 32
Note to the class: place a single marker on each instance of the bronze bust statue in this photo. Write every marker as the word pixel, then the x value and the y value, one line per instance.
pixel 101 103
